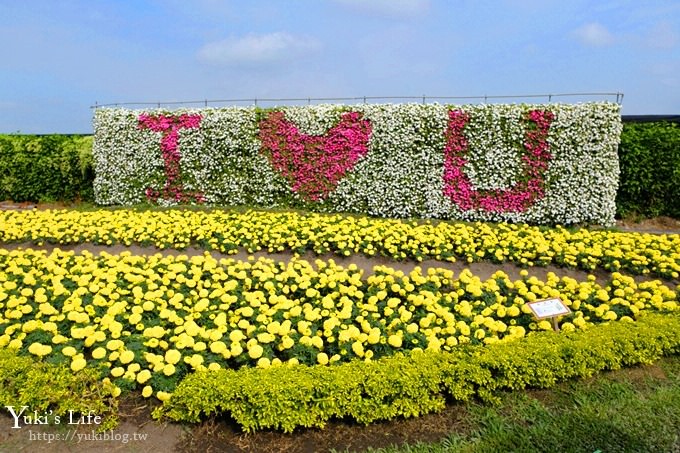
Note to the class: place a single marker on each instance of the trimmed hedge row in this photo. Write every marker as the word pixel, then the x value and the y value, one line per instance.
pixel 46 168
pixel 54 389
pixel 289 397
pixel 649 156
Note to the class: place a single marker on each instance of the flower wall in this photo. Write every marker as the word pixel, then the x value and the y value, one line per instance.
pixel 553 163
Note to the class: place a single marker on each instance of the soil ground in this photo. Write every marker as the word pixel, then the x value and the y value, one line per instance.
pixel 137 431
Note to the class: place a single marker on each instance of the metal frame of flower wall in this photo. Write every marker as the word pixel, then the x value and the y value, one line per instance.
pixel 545 164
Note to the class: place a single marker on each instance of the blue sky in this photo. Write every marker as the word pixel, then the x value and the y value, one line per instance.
pixel 60 57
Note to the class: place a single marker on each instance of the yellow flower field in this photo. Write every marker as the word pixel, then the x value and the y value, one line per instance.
pixel 228 231
pixel 145 322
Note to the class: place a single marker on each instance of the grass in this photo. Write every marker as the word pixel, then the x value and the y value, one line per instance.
pixel 632 410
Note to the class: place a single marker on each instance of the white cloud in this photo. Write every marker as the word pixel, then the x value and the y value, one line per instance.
pixel 257 49
pixel 403 8
pixel 594 34
pixel 662 36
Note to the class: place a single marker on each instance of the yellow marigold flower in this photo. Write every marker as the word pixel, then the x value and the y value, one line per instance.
pixel 38 349
pixel 143 376
pixel 322 358
pixel 58 339
pixel 579 322
pixel 610 315
pixel 265 337
pixel 172 356
pixel 68 351
pixel 434 344
pixel 135 318
pixel 154 332
pixel 545 325
pixel 567 327
pixel 358 348
pixel 218 347
pixel 236 336
pixel 412 328
pixel 317 342
pixel 236 350
pixel 113 345
pixel 126 356
pixel 287 342
pixel 163 396
pixel 395 341
pixel 169 369
pixel 374 336
pixel 117 371
pixel 255 351
pixel 200 346
pixel 195 360
pixel 513 311
pixel 214 366
pixel 263 362
pixel 147 391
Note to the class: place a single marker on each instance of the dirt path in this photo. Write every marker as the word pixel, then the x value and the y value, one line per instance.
pixel 484 270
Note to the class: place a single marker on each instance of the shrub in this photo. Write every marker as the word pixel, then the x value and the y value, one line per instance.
pixel 46 168
pixel 53 389
pixel 649 156
pixel 289 397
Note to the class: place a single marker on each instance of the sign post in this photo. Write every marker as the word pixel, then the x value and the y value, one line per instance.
pixel 549 308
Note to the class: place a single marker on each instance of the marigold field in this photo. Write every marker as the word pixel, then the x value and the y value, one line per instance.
pixel 145 322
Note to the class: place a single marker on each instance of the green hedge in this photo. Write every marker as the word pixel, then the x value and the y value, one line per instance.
pixel 300 396
pixel 54 389
pixel 46 168
pixel 649 156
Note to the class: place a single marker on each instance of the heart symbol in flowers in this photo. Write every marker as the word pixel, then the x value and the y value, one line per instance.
pixel 313 165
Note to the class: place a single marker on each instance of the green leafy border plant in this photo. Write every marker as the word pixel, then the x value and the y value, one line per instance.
pixel 46 168
pixel 649 156
pixel 290 397
pixel 54 389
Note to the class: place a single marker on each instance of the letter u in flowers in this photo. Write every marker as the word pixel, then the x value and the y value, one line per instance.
pixel 518 198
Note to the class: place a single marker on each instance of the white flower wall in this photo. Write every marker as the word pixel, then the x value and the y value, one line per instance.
pixel 546 164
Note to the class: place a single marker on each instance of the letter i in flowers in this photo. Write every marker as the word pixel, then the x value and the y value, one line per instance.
pixel 170 126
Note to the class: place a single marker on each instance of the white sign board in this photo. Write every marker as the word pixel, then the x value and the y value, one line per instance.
pixel 548 308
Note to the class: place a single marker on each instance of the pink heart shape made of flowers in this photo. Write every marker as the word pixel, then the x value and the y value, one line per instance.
pixel 313 165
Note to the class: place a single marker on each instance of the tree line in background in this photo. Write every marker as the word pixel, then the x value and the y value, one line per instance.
pixel 49 168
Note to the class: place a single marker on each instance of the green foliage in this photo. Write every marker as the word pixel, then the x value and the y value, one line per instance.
pixel 649 156
pixel 45 387
pixel 46 168
pixel 288 397
pixel 626 411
